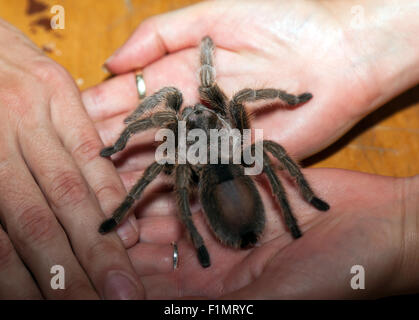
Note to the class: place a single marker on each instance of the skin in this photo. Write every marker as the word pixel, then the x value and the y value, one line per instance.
pixel 372 221
pixel 51 183
pixel 297 46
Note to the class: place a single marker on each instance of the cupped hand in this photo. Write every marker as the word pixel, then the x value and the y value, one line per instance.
pixel 297 46
pixel 52 180
pixel 371 223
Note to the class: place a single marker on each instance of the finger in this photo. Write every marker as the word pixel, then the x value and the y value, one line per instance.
pixel 180 69
pixel 140 151
pixel 189 279
pixel 119 94
pixel 149 259
pixel 79 137
pixel 162 34
pixel 163 286
pixel 103 257
pixel 37 235
pixel 113 97
pixel 159 229
pixel 15 281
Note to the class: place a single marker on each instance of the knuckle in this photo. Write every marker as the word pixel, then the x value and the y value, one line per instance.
pixel 75 288
pixel 35 224
pixel 6 250
pixel 50 72
pixel 148 23
pixel 67 188
pixel 102 248
pixel 96 95
pixel 88 149
pixel 108 191
pixel 15 99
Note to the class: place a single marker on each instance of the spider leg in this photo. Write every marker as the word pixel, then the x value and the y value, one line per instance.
pixel 159 119
pixel 238 112
pixel 183 176
pixel 209 91
pixel 279 191
pixel 250 95
pixel 239 116
pixel 170 95
pixel 279 152
pixel 207 72
pixel 241 120
pixel 149 175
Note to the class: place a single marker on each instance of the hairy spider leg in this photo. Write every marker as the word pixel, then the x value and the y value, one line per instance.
pixel 250 95
pixel 279 191
pixel 238 113
pixel 239 116
pixel 159 119
pixel 279 152
pixel 183 176
pixel 210 93
pixel 118 215
pixel 171 97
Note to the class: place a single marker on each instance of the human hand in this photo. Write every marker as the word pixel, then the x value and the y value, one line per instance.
pixel 51 182
pixel 372 222
pixel 297 46
pixel 264 49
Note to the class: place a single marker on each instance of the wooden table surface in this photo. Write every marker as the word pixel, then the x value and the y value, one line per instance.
pixel 386 142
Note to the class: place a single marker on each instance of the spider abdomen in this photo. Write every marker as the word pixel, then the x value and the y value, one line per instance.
pixel 230 199
pixel 232 205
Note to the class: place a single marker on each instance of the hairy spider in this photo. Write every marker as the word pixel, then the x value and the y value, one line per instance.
pixel 229 198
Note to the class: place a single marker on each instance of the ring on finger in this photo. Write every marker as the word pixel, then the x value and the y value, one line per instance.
pixel 175 255
pixel 141 88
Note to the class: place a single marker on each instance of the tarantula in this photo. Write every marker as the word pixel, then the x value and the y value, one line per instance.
pixel 229 198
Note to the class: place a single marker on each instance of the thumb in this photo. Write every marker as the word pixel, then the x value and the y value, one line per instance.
pixel 163 34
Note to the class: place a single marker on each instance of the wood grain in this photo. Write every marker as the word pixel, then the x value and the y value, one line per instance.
pixel 386 142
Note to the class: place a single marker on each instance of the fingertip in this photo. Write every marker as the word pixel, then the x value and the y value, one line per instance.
pixel 144 46
pixel 111 97
pixel 159 35
pixel 128 232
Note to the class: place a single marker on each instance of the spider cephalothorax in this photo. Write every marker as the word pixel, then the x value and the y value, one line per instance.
pixel 229 198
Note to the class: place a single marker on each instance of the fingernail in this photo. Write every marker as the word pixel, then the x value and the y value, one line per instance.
pixel 128 231
pixel 120 287
pixel 105 69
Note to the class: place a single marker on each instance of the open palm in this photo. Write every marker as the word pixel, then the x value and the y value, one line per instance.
pixel 360 229
pixel 295 46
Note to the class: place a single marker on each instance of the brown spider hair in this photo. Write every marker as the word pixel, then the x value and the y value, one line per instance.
pixel 230 199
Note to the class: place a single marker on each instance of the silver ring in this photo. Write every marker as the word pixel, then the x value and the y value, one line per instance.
pixel 175 255
pixel 139 80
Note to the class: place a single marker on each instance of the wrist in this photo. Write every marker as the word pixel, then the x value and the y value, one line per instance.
pixel 383 34
pixel 406 279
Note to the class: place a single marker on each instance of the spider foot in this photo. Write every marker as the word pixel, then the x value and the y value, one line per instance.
pixel 203 257
pixel 319 204
pixel 295 231
pixel 248 240
pixel 107 152
pixel 107 225
pixel 304 97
